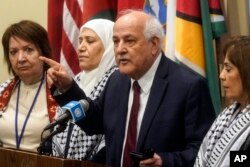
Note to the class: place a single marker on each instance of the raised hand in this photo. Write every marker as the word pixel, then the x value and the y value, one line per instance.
pixel 57 74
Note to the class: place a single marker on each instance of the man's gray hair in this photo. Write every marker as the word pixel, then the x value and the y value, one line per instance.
pixel 153 28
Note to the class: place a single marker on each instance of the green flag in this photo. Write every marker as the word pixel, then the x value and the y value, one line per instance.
pixel 213 26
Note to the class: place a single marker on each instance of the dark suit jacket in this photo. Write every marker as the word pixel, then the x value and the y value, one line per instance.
pixel 178 114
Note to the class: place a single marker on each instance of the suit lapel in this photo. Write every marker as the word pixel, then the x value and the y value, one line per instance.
pixel 125 83
pixel 157 92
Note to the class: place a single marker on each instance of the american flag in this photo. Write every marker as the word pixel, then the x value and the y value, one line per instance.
pixel 63 28
pixel 65 18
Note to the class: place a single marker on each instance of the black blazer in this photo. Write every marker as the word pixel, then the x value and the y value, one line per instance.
pixel 178 114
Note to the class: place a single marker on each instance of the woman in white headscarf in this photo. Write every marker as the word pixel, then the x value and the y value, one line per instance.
pixel 94 66
pixel 97 63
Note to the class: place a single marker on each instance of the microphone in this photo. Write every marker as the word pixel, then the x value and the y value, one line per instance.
pixel 73 110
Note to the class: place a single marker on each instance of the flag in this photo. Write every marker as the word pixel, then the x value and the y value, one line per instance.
pixel 197 23
pixel 55 9
pixel 159 10
pixel 65 18
pixel 190 27
pixel 213 27
pixel 106 9
pixel 64 22
pixel 129 4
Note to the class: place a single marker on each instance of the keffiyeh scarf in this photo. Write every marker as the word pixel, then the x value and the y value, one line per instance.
pixel 227 133
pixel 73 142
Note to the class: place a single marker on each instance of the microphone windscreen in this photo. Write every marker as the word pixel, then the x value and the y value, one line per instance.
pixel 76 110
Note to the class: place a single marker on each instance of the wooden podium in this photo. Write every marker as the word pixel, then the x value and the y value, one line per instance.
pixel 17 158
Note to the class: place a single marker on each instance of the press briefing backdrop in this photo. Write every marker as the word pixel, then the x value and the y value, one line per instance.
pixel 190 27
pixel 64 18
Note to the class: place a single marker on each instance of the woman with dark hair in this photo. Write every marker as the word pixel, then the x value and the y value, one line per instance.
pixel 231 128
pixel 26 105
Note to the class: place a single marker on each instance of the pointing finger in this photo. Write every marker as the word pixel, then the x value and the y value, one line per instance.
pixel 48 61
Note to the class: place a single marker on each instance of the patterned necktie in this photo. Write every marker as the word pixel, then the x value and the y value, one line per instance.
pixel 132 127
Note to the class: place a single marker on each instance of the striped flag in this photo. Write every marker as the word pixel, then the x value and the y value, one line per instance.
pixel 65 18
pixel 197 23
pixel 65 33
pixel 159 10
pixel 191 27
pixel 213 26
pixel 129 4
pixel 105 9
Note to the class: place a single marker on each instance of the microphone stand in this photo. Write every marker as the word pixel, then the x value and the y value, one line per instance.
pixel 42 147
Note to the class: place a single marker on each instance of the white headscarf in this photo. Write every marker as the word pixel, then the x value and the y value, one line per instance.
pixel 104 29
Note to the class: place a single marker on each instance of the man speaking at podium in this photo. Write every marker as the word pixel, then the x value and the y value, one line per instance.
pixel 150 103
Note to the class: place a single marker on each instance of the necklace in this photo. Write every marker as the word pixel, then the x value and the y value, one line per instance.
pixel 19 137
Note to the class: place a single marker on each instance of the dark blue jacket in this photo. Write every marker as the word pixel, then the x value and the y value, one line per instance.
pixel 178 114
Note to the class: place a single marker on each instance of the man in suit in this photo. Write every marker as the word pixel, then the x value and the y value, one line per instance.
pixel 175 106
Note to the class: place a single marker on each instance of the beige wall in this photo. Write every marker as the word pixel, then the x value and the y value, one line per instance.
pixel 237 22
pixel 236 14
pixel 12 11
pixel 237 17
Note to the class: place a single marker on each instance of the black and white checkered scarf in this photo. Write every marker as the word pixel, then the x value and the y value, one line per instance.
pixel 73 143
pixel 227 133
